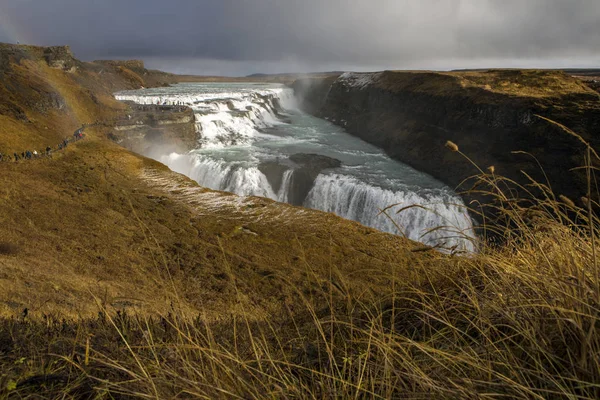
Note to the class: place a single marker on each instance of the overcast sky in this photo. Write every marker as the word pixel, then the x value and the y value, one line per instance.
pixel 240 37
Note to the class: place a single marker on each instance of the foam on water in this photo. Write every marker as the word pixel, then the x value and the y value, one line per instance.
pixel 345 196
pixel 221 175
pixel 242 126
pixel 224 118
pixel 352 199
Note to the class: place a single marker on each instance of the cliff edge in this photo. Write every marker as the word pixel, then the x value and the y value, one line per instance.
pixel 490 115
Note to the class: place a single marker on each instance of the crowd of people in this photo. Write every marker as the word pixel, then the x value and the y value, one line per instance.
pixel 29 154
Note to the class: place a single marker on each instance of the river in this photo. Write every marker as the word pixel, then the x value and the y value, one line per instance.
pixel 255 141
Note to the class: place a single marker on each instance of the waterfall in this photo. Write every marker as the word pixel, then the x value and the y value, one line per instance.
pixel 353 199
pixel 221 175
pixel 229 119
pixel 249 135
pixel 344 196
pixel 284 191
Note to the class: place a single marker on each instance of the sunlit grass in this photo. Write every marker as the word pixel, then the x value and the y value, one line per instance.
pixel 517 320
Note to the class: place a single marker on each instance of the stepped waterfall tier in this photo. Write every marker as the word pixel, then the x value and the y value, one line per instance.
pixel 255 142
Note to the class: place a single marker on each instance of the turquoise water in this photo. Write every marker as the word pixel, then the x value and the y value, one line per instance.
pixel 245 129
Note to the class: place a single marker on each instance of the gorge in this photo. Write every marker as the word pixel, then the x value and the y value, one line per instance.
pixel 508 119
pixel 105 249
pixel 253 140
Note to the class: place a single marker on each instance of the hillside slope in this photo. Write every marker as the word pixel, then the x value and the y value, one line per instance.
pixel 98 223
pixel 122 279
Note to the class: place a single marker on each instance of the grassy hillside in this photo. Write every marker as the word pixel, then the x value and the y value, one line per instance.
pixel 121 279
pixel 93 221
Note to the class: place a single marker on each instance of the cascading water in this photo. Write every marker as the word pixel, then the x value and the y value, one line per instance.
pixel 352 199
pixel 253 141
pixel 220 175
pixel 224 117
pixel 284 191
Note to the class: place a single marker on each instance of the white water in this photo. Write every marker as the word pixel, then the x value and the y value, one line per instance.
pixel 244 126
pixel 352 199
pixel 284 190
pixel 223 117
pixel 220 175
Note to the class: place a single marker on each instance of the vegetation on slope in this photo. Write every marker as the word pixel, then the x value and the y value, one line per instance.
pixel 519 321
pixel 517 83
pixel 78 224
pixel 120 279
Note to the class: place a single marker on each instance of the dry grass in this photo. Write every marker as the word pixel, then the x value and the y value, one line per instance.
pixel 535 84
pixel 518 321
pixel 527 83
pixel 114 288
pixel 132 76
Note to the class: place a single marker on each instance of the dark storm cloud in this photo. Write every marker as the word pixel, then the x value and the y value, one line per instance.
pixel 242 36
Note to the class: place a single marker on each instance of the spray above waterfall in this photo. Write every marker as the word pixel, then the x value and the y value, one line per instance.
pixel 254 142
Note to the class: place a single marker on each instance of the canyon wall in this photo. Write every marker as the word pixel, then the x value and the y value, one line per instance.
pixel 489 115
pixel 172 128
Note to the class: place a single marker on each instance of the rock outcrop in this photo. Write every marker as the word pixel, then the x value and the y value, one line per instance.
pixel 172 128
pixel 60 57
pixel 303 178
pixel 490 115
pixel 306 168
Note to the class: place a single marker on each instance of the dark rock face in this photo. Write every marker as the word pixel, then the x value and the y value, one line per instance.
pixel 59 57
pixel 594 84
pixel 303 178
pixel 147 127
pixel 306 168
pixel 274 172
pixel 413 121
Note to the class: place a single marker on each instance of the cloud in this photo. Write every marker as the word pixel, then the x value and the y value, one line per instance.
pixel 243 35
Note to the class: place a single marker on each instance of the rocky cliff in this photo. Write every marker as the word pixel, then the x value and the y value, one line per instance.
pixel 172 128
pixel 489 115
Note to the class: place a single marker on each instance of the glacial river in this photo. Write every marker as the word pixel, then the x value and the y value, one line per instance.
pixel 255 141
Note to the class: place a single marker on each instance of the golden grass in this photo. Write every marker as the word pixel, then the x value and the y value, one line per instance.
pixel 133 290
pixel 518 320
pixel 528 83
pixel 132 76
pixel 537 84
